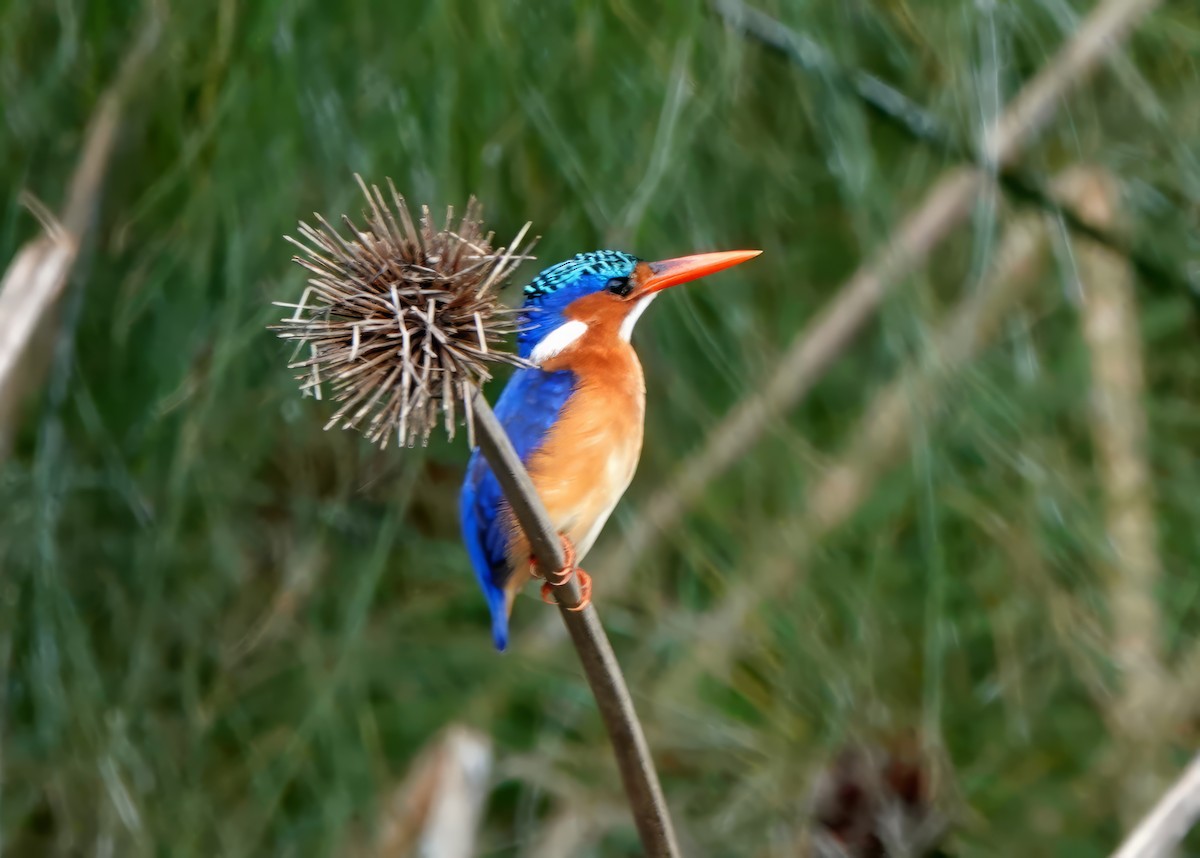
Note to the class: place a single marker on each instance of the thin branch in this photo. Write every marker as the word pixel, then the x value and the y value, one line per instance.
pixel 815 348
pixel 898 110
pixel 1170 820
pixel 595 652
pixel 887 102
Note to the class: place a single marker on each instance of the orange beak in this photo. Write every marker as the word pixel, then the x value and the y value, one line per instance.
pixel 672 272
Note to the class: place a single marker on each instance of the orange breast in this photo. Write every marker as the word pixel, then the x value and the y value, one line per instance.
pixel 589 457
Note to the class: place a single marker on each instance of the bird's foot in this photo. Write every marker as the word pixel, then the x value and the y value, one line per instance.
pixel 585 591
pixel 563 575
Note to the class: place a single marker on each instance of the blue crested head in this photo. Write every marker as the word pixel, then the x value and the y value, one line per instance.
pixel 550 293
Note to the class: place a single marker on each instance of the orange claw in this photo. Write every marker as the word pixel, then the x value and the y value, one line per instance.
pixel 585 592
pixel 564 574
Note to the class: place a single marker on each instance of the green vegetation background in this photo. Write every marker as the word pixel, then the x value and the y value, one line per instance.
pixel 225 631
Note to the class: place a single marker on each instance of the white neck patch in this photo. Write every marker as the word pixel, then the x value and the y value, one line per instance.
pixel 558 341
pixel 626 332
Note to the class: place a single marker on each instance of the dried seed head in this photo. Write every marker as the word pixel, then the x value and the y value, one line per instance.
pixel 877 800
pixel 401 321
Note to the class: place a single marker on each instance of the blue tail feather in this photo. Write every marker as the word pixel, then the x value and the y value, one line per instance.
pixel 527 409
pixel 499 623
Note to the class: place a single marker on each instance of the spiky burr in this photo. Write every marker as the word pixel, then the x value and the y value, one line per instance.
pixel 401 321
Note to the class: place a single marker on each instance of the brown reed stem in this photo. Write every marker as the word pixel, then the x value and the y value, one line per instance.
pixel 595 652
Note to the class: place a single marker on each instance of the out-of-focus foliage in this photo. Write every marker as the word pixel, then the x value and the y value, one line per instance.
pixel 224 631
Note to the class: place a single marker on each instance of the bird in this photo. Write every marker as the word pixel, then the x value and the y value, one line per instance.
pixel 574 414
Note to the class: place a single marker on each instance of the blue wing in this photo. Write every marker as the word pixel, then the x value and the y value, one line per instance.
pixel 528 407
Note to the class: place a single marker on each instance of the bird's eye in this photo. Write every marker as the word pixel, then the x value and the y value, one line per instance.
pixel 619 286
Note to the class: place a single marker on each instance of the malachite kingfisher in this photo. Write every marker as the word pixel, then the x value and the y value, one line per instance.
pixel 575 415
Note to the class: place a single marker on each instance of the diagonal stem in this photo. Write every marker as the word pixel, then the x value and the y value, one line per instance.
pixel 898 110
pixel 595 652
pixel 1170 820
pixel 820 343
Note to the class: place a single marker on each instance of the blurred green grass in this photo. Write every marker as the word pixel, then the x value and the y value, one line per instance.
pixel 225 631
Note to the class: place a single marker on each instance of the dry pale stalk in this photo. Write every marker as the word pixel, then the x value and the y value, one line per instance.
pixel 29 294
pixel 1132 568
pixel 436 811
pixel 1157 835
pixel 38 275
pixel 824 339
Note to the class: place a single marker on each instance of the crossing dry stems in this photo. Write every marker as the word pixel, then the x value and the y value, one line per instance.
pixel 820 343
